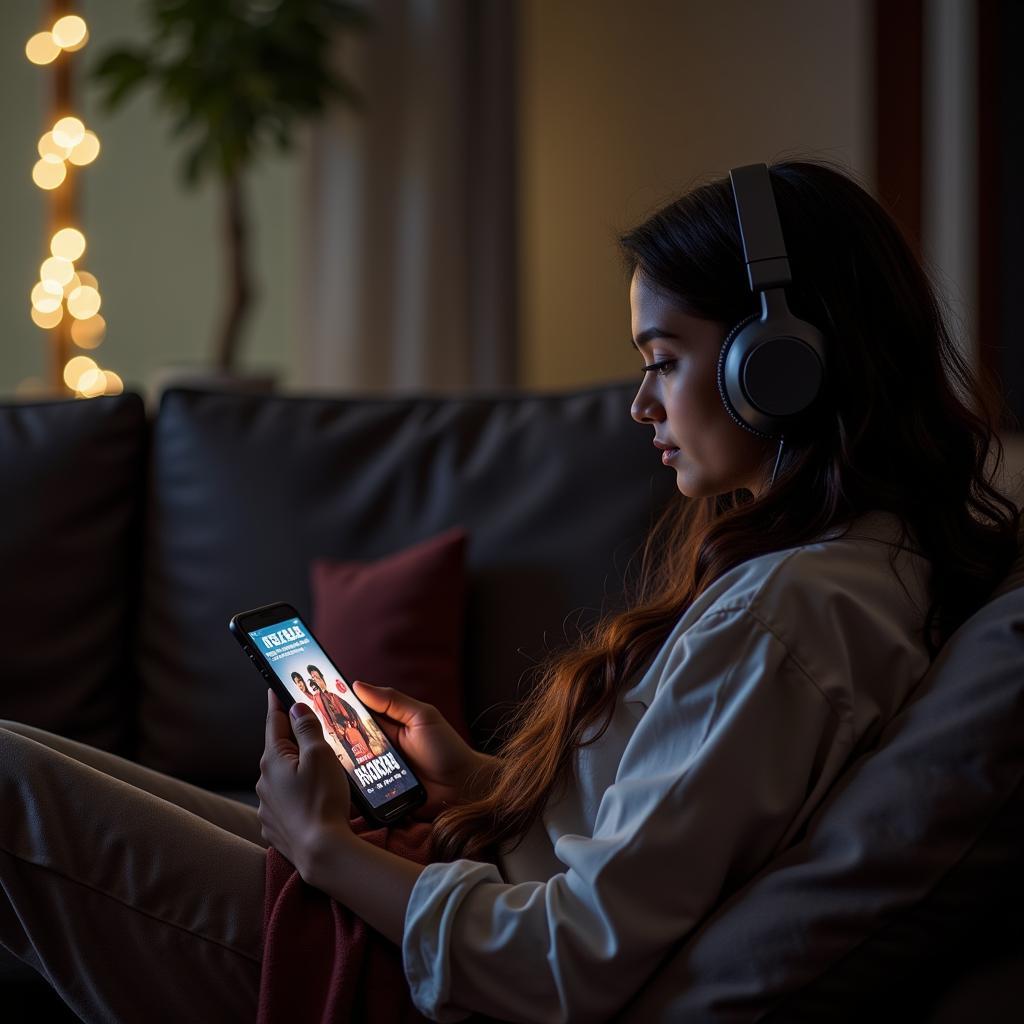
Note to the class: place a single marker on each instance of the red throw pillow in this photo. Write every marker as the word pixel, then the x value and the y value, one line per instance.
pixel 398 621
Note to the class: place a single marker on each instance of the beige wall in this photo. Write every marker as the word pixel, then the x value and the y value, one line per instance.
pixel 624 105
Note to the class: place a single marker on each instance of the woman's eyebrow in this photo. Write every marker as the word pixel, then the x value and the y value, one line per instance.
pixel 650 334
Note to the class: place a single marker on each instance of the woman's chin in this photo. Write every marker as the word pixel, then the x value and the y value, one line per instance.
pixel 693 485
pixel 687 486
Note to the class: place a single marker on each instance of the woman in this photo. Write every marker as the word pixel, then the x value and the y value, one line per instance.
pixel 786 607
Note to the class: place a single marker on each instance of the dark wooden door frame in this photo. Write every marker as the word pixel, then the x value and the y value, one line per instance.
pixel 899 168
pixel 899 112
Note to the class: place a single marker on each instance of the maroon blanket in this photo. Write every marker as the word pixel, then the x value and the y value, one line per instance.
pixel 321 962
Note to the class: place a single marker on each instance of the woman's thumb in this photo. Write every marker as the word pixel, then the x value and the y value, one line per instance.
pixel 306 726
pixel 372 694
pixel 383 698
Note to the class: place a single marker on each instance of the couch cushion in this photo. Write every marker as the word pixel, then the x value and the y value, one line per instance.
pixel 910 867
pixel 73 475
pixel 398 621
pixel 557 491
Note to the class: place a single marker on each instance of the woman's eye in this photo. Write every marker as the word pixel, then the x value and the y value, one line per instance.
pixel 661 368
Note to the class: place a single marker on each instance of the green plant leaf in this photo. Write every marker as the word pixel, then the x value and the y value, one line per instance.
pixel 121 73
pixel 235 77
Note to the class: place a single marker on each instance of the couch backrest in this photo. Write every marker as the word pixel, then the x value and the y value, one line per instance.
pixel 912 866
pixel 72 474
pixel 556 490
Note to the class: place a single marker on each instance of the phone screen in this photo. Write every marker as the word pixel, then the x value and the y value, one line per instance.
pixel 363 749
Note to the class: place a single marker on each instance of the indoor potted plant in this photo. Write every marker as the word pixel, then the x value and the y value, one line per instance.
pixel 236 76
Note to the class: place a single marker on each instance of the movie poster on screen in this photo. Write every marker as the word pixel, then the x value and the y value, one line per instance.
pixel 359 743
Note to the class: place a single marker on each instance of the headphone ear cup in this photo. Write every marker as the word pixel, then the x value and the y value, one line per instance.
pixel 723 389
pixel 771 374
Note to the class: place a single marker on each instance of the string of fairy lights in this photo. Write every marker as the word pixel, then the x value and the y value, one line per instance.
pixel 66 299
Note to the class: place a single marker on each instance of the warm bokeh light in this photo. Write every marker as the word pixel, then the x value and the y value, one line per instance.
pixel 67 143
pixel 74 369
pixel 84 302
pixel 46 320
pixel 57 269
pixel 44 298
pixel 80 44
pixel 88 333
pixel 86 151
pixel 49 172
pixel 47 147
pixel 70 32
pixel 68 131
pixel 92 382
pixel 41 48
pixel 47 288
pixel 68 243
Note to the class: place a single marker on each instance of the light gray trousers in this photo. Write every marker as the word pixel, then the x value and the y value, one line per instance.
pixel 138 896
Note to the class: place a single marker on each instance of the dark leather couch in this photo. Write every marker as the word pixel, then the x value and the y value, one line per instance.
pixel 130 540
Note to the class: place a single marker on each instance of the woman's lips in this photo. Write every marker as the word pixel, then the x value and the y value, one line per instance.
pixel 668 455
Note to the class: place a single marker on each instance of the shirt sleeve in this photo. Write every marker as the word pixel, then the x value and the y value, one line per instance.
pixel 718 769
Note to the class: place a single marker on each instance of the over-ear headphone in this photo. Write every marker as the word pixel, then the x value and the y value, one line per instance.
pixel 771 369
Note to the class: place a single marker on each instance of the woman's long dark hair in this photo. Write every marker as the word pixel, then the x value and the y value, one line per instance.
pixel 907 427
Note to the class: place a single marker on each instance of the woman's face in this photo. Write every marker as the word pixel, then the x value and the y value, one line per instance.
pixel 681 401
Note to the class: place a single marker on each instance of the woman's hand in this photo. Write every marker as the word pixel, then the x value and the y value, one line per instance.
pixel 444 762
pixel 303 790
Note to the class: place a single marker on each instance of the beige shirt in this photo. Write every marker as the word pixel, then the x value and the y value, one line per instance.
pixel 783 669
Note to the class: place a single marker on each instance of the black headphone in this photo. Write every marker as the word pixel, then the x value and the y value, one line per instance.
pixel 771 370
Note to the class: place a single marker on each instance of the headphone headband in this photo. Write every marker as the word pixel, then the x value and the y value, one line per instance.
pixel 760 231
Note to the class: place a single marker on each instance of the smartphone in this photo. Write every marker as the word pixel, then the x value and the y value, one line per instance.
pixel 283 648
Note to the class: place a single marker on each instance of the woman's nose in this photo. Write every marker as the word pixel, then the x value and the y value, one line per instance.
pixel 645 407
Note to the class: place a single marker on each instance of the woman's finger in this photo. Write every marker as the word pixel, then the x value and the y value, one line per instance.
pixel 387 701
pixel 277 722
pixel 379 698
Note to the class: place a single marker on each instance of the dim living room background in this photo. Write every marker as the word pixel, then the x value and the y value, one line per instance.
pixel 456 233
pixel 434 267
